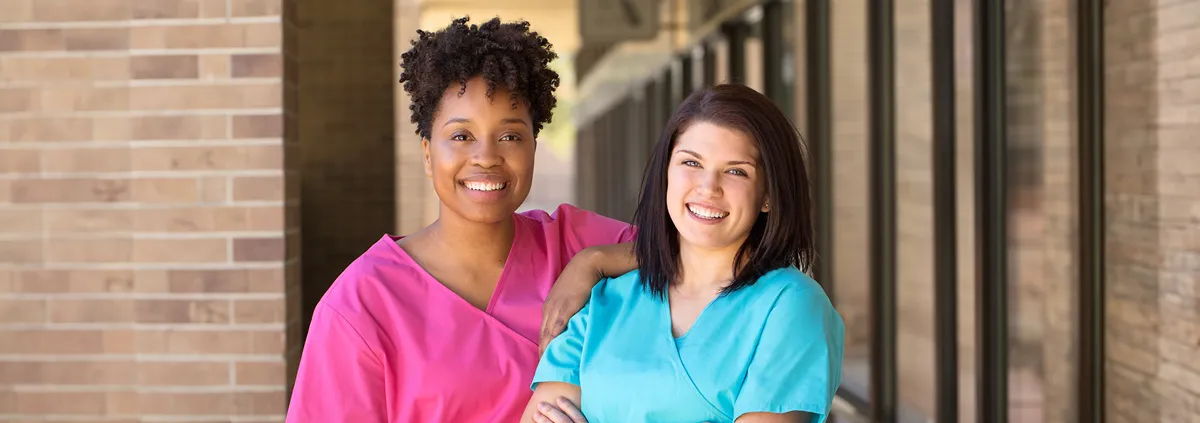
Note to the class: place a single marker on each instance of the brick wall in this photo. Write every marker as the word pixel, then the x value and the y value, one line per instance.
pixel 1153 220
pixel 142 217
pixel 1177 382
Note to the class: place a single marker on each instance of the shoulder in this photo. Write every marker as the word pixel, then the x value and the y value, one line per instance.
pixel 367 288
pixel 789 278
pixel 796 296
pixel 614 291
pixel 564 212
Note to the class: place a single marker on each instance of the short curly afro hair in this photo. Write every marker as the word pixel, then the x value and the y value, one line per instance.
pixel 507 54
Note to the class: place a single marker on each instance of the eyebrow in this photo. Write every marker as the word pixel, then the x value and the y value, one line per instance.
pixel 505 121
pixel 698 156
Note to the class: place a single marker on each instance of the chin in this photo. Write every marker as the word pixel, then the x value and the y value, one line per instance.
pixel 489 215
pixel 480 213
pixel 703 241
pixel 711 245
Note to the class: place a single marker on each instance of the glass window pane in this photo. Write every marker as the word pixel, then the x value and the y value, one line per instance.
pixel 849 115
pixel 916 390
pixel 964 29
pixel 754 50
pixel 1042 211
pixel 795 61
pixel 720 48
pixel 790 47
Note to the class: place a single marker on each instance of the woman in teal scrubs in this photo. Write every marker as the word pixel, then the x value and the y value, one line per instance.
pixel 720 323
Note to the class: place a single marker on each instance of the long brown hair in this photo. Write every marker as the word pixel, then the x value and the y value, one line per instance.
pixel 780 238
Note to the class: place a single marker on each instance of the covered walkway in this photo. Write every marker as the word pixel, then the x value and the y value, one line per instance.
pixel 1007 207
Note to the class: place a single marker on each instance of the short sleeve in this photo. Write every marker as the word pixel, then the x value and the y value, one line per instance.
pixel 583 229
pixel 563 357
pixel 340 378
pixel 797 364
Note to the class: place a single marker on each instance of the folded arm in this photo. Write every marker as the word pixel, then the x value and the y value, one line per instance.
pixel 546 403
pixel 793 417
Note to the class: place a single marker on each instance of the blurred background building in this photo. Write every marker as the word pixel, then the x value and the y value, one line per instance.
pixel 180 181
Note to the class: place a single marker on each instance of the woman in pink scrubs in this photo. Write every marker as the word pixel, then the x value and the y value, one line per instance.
pixel 443 325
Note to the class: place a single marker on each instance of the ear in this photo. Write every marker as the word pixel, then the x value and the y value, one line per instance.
pixel 428 165
pixel 766 207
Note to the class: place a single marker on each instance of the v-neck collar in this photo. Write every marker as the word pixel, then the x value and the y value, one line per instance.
pixel 665 306
pixel 488 313
pixel 673 343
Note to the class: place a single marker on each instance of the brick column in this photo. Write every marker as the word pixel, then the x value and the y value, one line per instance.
pixel 142 228
pixel 1153 258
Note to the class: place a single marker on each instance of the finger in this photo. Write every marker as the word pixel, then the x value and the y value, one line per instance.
pixel 543 342
pixel 546 318
pixel 571 410
pixel 554 326
pixel 547 332
pixel 553 413
pixel 543 339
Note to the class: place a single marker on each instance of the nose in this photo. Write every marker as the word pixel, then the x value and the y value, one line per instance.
pixel 486 154
pixel 709 184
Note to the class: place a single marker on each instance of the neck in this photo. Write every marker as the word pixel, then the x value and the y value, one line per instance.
pixel 705 271
pixel 481 242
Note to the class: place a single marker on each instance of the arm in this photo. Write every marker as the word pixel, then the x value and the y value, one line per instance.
pixel 546 400
pixel 556 386
pixel 340 378
pixel 606 261
pixel 793 417
pixel 574 285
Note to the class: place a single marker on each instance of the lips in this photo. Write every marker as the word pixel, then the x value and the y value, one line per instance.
pixel 484 183
pixel 484 186
pixel 706 211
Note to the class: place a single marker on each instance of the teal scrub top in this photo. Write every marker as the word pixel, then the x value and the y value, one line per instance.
pixel 774 346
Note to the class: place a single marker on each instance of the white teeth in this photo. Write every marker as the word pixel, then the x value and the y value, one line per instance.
pixel 484 186
pixel 706 212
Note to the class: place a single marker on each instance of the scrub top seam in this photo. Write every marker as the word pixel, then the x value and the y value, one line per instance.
pixel 374 354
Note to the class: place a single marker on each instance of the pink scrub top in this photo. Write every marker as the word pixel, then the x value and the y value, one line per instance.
pixel 389 343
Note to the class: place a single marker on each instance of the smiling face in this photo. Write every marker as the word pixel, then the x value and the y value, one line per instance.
pixel 480 153
pixel 715 187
